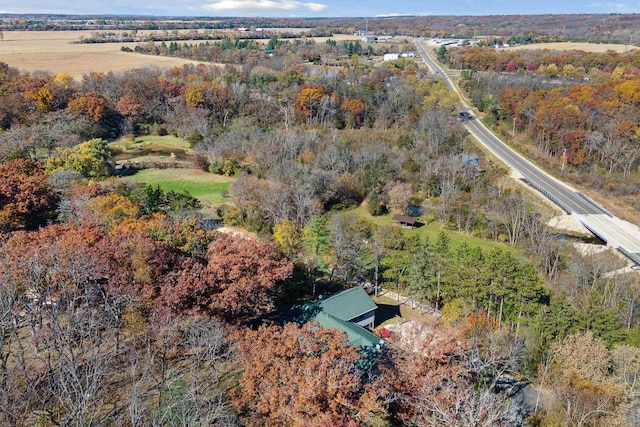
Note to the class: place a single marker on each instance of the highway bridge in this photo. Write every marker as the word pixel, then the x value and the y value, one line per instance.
pixel 619 234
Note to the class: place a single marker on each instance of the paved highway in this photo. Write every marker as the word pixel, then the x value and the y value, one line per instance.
pixel 617 233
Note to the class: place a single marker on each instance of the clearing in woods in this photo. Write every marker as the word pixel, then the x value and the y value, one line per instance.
pixel 202 185
pixel 432 229
pixel 205 186
pixel 152 149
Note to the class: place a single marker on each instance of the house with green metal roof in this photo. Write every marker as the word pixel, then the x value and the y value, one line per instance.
pixel 356 335
pixel 352 305
pixel 353 312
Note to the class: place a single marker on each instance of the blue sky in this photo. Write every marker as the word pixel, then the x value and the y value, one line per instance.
pixel 314 8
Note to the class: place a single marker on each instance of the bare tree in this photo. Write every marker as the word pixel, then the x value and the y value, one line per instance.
pixel 399 195
pixel 589 268
pixel 513 209
pixel 347 241
pixel 197 395
pixel 12 399
pixel 304 204
pixel 139 377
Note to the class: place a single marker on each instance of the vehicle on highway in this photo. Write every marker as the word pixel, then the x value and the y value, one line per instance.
pixel 464 116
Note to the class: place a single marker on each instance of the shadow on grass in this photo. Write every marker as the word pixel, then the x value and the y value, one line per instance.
pixel 125 172
pixel 386 312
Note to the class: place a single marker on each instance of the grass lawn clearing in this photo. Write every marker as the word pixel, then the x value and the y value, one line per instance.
pixel 154 149
pixel 203 185
pixel 431 230
pixel 142 141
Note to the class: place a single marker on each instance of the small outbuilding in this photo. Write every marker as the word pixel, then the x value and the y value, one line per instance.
pixel 406 220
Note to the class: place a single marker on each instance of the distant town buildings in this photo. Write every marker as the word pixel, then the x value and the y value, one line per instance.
pixel 369 37
pixel 361 33
pixel 396 56
pixel 453 42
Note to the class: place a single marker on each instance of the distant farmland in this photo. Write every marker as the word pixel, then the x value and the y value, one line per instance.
pixel 52 51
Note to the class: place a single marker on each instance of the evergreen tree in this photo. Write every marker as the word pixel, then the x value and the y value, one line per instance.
pixel 423 281
pixel 317 241
pixel 442 54
pixel 374 207
pixel 273 43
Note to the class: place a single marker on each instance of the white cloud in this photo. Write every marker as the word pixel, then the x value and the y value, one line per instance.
pixel 391 15
pixel 606 6
pixel 262 5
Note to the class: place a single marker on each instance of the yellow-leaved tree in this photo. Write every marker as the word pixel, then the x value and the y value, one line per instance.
pixel 288 235
pixel 90 159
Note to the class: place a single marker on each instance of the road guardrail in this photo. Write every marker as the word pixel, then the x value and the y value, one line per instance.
pixel 595 205
pixel 548 195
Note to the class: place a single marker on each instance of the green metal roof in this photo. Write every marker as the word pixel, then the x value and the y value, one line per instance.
pixel 357 335
pixel 348 304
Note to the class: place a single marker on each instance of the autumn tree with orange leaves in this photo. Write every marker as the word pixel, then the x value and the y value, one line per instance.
pixel 315 102
pixel 356 109
pixel 91 105
pixel 26 198
pixel 130 109
pixel 301 376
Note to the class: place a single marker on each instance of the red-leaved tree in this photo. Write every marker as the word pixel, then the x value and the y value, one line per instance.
pixel 238 280
pixel 26 198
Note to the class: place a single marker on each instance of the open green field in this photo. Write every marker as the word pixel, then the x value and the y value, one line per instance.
pixel 431 230
pixel 205 186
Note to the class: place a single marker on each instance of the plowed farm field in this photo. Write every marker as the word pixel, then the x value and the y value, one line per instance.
pixel 52 51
